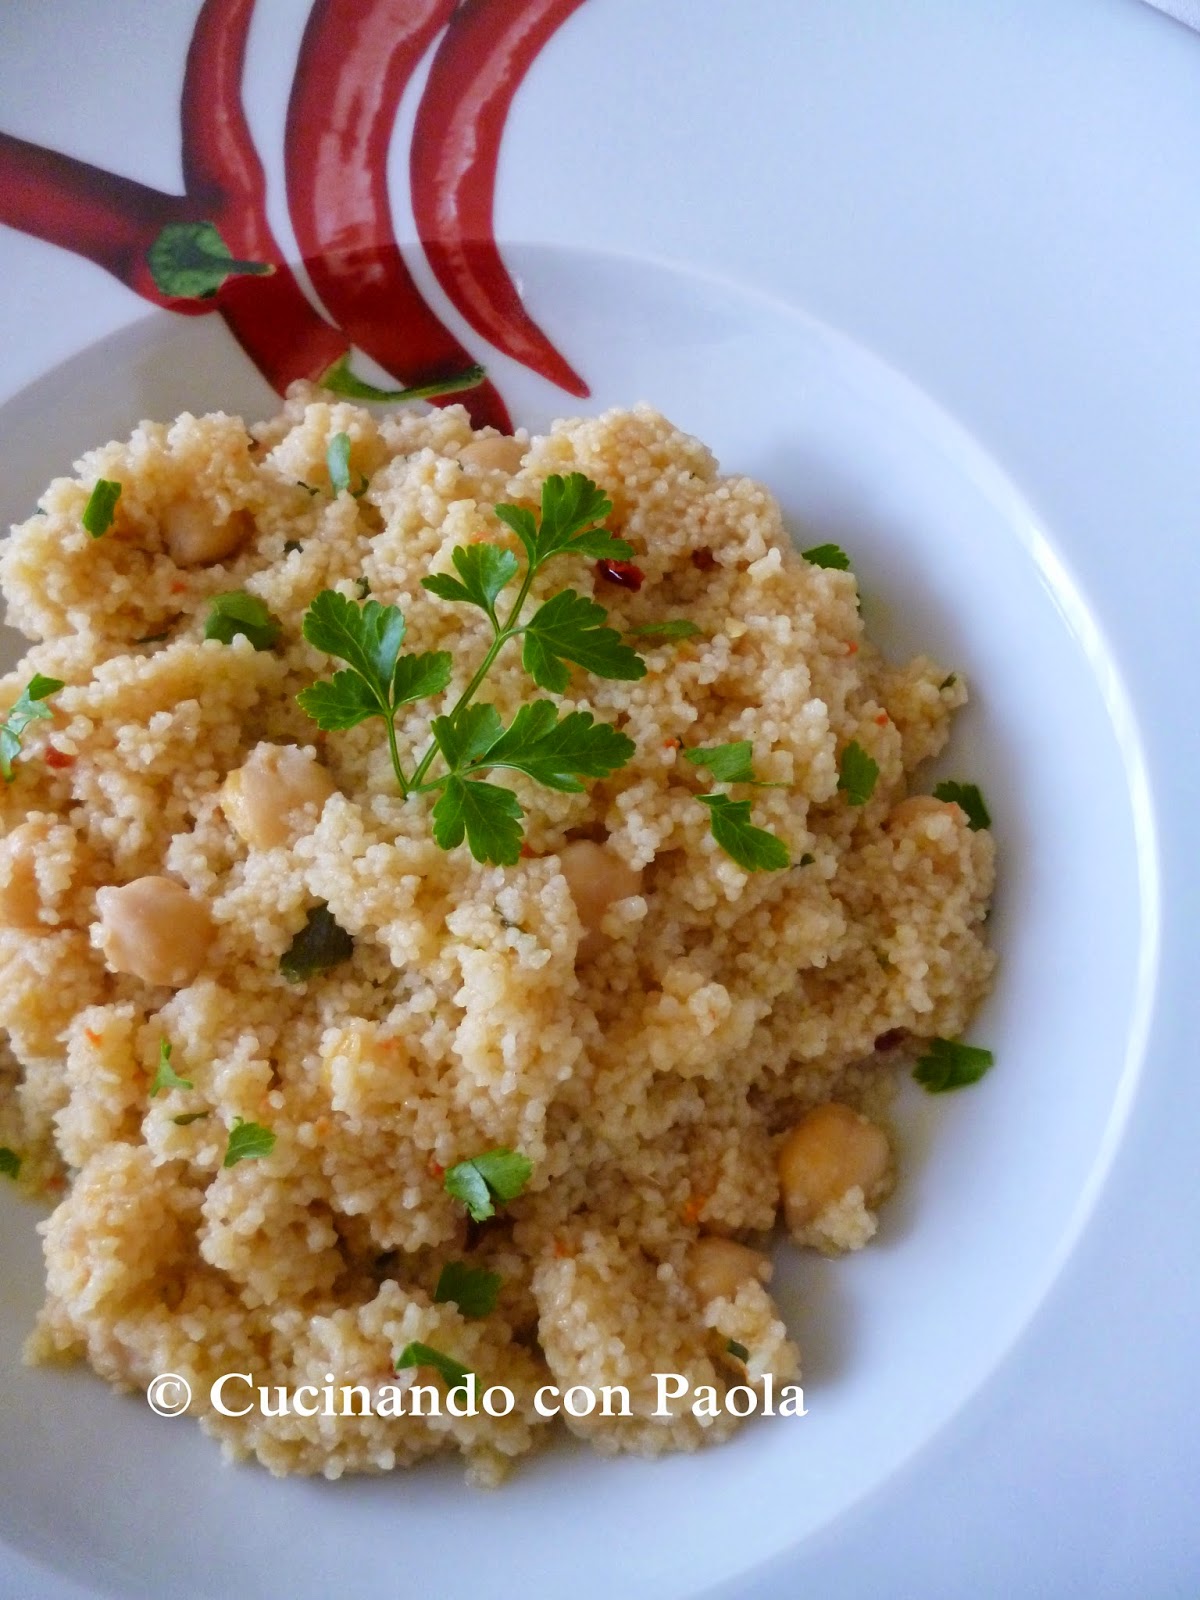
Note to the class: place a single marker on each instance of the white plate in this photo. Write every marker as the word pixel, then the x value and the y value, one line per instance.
pixel 935 283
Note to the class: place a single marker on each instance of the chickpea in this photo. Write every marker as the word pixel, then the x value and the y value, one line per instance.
pixel 272 799
pixel 155 931
pixel 596 877
pixel 829 1152
pixel 717 1268
pixel 20 900
pixel 495 453
pixel 195 539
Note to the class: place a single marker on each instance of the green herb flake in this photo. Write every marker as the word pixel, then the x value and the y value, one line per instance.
pixel 321 944
pixel 472 1289
pixel 292 546
pixel 481 1180
pixel 967 796
pixel 188 1117
pixel 247 1141
pixel 363 586
pixel 10 1163
pixel 337 459
pixel 241 613
pixel 665 632
pixel 340 380
pixel 152 638
pixel 727 763
pixel 452 1373
pixel 738 1351
pixel 30 707
pixel 754 849
pixel 166 1077
pixel 807 860
pixel 101 508
pixel 950 1064
pixel 948 683
pixel 857 774
pixel 827 555
pixel 190 261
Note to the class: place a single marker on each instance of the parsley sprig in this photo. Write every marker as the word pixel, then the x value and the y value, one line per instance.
pixel 470 739
pixel 30 707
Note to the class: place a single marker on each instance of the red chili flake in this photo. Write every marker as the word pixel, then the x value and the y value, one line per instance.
pixel 673 744
pixel 562 1249
pixel 92 1037
pixel 623 573
pixel 435 1169
pixel 58 760
pixel 852 647
pixel 179 586
pixel 56 1184
pixel 528 853
pixel 882 719
pixel 892 1038
pixel 703 559
pixel 691 1211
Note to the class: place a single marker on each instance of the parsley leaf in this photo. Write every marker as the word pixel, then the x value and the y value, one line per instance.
pixel 453 1373
pixel 190 261
pixel 241 613
pixel 339 379
pixel 472 1289
pixel 30 707
pixel 188 1117
pixel 500 1174
pixel 101 507
pixel 738 1351
pixel 488 816
pixel 857 774
pixel 670 628
pixel 367 637
pixel 572 510
pixel 967 796
pixel 321 944
pixel 753 848
pixel 485 569
pixel 950 1064
pixel 246 1141
pixel 166 1077
pixel 556 751
pixel 827 555
pixel 10 1162
pixel 570 627
pixel 728 763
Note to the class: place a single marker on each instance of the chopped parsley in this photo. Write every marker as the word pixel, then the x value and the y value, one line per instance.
pixel 452 1373
pixel 948 683
pixel 497 1175
pixel 101 507
pixel 10 1163
pixel 190 261
pixel 827 555
pixel 247 1140
pixel 670 628
pixel 337 459
pixel 950 1064
pixel 166 1077
pixel 806 860
pixel 857 774
pixel 472 1289
pixel 186 1118
pixel 322 943
pixel 738 1351
pixel 30 707
pixel 967 796
pixel 241 613
pixel 754 849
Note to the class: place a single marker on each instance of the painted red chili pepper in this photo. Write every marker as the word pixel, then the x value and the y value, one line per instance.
pixel 624 573
pixel 271 317
pixel 488 48
pixel 356 59
pixel 109 220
